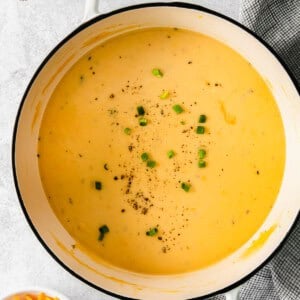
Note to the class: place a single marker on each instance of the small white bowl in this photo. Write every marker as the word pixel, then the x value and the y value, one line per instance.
pixel 35 291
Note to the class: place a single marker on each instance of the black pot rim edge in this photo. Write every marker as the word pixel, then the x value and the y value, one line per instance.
pixel 54 50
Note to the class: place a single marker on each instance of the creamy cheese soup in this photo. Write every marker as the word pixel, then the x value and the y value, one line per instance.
pixel 161 151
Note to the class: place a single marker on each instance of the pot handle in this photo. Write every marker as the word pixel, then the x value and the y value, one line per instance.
pixel 233 294
pixel 90 9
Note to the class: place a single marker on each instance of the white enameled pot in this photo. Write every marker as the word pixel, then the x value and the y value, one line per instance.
pixel 220 277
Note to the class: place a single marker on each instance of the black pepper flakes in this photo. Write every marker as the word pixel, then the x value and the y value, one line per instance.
pixel 130 148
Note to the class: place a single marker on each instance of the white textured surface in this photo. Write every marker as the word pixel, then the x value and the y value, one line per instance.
pixel 28 31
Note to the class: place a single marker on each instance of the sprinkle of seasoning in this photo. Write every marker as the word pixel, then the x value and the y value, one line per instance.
pixel 185 186
pixel 98 185
pixel 103 230
pixel 201 163
pixel 157 72
pixel 170 153
pixel 164 95
pixel 201 153
pixel 200 129
pixel 152 231
pixel 202 119
pixel 105 167
pixel 178 109
pixel 145 156
pixel 127 131
pixel 151 164
pixel 140 110
pixel 143 122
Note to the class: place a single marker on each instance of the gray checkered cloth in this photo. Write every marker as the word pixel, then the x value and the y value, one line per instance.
pixel 278 23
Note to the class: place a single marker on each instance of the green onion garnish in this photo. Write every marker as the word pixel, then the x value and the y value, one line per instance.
pixel 103 230
pixel 127 131
pixel 164 95
pixel 178 109
pixel 200 129
pixel 140 110
pixel 170 153
pixel 145 156
pixel 185 186
pixel 151 164
pixel 157 72
pixel 152 231
pixel 143 121
pixel 98 185
pixel 201 153
pixel 201 163
pixel 202 119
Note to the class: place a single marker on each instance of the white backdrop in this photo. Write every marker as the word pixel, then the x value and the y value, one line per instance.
pixel 29 29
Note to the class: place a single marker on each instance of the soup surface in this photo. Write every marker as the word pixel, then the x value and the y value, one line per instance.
pixel 161 151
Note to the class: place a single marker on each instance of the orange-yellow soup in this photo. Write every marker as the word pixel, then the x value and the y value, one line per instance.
pixel 178 208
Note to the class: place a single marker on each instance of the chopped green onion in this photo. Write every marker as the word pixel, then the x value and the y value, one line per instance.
pixel 202 119
pixel 200 129
pixel 140 110
pixel 103 230
pixel 127 131
pixel 170 153
pixel 145 156
pixel 98 185
pixel 157 72
pixel 185 186
pixel 178 109
pixel 151 164
pixel 152 231
pixel 201 163
pixel 201 153
pixel 143 121
pixel 164 95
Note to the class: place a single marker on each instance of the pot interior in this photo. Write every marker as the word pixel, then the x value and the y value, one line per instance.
pixel 57 239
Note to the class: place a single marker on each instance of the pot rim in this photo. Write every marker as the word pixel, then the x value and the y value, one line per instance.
pixel 64 41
